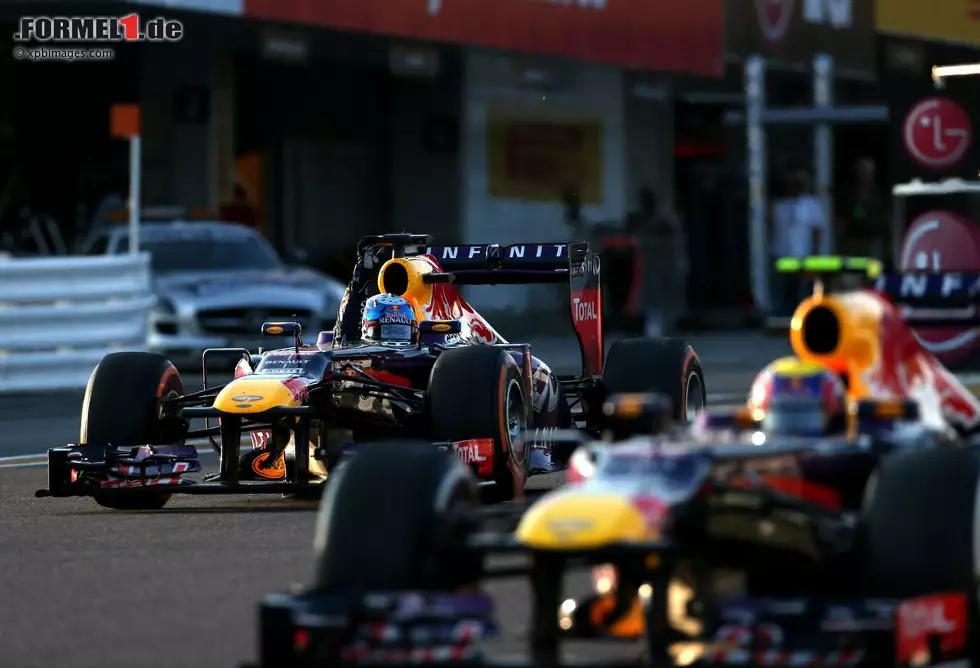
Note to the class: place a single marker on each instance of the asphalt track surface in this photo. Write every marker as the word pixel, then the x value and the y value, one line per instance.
pixel 87 587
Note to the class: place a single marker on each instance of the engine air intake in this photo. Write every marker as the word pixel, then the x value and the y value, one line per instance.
pixel 821 331
pixel 405 277
pixel 395 279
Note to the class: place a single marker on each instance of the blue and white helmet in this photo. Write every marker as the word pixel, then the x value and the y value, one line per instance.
pixel 389 319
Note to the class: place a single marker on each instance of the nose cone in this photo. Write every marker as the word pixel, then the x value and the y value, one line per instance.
pixel 254 395
pixel 574 520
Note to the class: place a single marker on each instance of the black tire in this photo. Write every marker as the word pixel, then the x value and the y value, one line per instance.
pixel 395 517
pixel 919 523
pixel 661 365
pixel 121 408
pixel 468 395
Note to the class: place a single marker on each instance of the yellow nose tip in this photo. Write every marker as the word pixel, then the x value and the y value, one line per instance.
pixel 253 395
pixel 575 521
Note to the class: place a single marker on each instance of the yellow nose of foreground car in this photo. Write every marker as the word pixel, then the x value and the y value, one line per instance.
pixel 574 520
pixel 254 395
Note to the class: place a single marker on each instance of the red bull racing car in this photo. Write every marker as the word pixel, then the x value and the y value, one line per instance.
pixel 810 528
pixel 456 383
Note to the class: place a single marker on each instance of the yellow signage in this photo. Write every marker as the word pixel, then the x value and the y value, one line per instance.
pixel 442 328
pixel 275 329
pixel 539 158
pixel 950 20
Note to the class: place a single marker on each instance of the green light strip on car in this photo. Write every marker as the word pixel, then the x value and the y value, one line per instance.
pixel 829 264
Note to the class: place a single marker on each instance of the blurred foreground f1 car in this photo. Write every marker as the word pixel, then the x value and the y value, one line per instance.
pixel 461 386
pixel 856 548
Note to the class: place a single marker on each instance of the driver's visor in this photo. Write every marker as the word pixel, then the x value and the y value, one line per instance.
pixel 397 333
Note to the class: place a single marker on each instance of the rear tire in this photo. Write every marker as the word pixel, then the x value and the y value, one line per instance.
pixel 661 365
pixel 395 517
pixel 920 523
pixel 121 407
pixel 478 392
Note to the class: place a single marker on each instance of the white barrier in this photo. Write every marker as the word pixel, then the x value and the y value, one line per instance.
pixel 60 315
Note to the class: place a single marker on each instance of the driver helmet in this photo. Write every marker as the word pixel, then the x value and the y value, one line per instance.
pixel 794 397
pixel 389 320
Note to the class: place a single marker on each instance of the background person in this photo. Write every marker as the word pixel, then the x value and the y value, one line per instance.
pixel 863 215
pixel 799 228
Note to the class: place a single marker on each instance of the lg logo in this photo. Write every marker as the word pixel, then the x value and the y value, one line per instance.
pixel 937 133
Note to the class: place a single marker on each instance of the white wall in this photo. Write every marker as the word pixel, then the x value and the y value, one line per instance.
pixel 584 91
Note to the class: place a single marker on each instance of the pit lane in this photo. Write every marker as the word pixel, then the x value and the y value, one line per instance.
pixel 86 587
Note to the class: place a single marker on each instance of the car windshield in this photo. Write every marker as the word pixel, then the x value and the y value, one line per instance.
pixel 207 252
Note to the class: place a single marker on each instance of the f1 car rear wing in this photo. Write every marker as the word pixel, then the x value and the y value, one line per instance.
pixel 948 299
pixel 486 264
pixel 514 264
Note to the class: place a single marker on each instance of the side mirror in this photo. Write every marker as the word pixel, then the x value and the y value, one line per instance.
pixel 636 414
pixel 282 329
pixel 868 416
pixel 871 409
pixel 440 327
pixel 740 419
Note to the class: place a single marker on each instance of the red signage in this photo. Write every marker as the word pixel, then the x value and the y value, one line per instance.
pixel 937 133
pixel 671 35
pixel 943 616
pixel 789 32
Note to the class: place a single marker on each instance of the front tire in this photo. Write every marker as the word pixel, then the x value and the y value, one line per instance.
pixel 121 408
pixel 395 517
pixel 920 523
pixel 660 365
pixel 478 392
